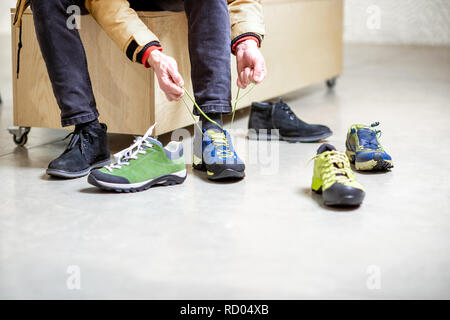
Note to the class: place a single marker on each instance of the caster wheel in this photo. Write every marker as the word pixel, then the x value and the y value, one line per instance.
pixel 331 83
pixel 20 135
pixel 21 141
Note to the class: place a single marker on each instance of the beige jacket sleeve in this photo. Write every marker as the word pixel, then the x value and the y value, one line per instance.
pixel 128 31
pixel 122 24
pixel 246 17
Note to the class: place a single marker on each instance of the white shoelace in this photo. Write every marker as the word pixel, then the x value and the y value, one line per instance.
pixel 122 158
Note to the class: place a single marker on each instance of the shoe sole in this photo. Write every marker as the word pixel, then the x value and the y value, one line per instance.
pixel 165 180
pixel 253 135
pixel 376 164
pixel 344 201
pixel 79 174
pixel 225 174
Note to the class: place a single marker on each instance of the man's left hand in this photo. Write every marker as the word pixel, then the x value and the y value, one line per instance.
pixel 251 66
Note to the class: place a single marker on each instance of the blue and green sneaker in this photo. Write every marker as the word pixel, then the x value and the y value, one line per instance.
pixel 144 164
pixel 364 148
pixel 214 153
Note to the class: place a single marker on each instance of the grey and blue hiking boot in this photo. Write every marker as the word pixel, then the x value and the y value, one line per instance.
pixel 144 164
pixel 214 153
pixel 365 150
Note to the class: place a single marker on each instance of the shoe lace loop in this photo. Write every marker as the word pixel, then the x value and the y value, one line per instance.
pixel 138 147
pixel 286 108
pixel 221 144
pixel 204 115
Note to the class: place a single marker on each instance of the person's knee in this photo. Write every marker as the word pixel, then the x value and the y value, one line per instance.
pixel 45 10
pixel 171 5
pixel 41 5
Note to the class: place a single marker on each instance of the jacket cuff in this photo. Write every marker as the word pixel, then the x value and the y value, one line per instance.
pixel 244 37
pixel 143 55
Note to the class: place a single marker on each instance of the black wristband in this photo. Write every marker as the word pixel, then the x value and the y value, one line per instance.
pixel 148 45
pixel 257 36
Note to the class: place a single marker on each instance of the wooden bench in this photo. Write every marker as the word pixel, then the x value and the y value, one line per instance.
pixel 303 46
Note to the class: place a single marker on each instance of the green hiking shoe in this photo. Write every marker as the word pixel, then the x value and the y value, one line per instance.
pixel 365 150
pixel 144 164
pixel 334 178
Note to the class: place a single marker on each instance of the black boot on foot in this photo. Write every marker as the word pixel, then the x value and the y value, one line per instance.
pixel 88 149
pixel 265 117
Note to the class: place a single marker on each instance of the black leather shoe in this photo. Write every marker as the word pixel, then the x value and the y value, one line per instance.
pixel 265 117
pixel 88 149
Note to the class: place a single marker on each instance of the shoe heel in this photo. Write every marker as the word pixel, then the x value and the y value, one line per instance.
pixel 350 156
pixel 172 179
pixel 198 164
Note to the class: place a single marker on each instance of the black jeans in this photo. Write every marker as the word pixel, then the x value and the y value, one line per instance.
pixel 64 55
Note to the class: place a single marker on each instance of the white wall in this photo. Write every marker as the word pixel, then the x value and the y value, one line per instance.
pixel 398 21
pixel 5 17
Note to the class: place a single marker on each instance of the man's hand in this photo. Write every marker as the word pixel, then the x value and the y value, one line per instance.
pixel 251 66
pixel 166 70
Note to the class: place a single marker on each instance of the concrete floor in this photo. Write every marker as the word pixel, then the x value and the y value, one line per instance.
pixel 264 237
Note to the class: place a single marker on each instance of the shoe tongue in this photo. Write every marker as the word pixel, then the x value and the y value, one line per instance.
pixel 151 140
pixel 368 137
pixel 325 147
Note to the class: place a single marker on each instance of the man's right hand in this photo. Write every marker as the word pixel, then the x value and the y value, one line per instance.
pixel 166 70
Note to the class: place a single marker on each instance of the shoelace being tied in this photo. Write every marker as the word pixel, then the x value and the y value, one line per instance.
pixel 208 118
pixel 219 138
pixel 138 147
pixel 222 145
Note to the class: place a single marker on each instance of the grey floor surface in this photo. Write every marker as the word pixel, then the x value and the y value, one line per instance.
pixel 264 237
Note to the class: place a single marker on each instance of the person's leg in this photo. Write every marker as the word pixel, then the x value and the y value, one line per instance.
pixel 209 49
pixel 64 55
pixel 65 59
